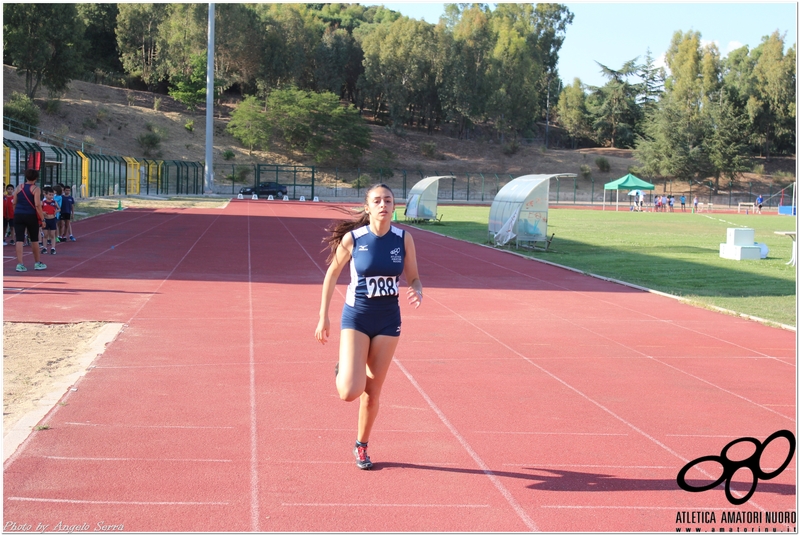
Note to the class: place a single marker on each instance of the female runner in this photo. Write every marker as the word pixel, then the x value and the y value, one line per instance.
pixel 378 254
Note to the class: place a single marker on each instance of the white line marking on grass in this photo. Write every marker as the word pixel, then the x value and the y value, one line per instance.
pixel 106 502
pixel 455 505
pixel 254 503
pixel 476 458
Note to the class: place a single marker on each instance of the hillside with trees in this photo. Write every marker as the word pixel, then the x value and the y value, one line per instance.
pixel 344 84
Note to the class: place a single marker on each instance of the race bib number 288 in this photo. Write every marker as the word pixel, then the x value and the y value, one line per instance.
pixel 381 286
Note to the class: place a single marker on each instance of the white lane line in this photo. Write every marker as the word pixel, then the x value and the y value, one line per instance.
pixel 170 366
pixel 456 505
pixel 534 466
pixel 177 264
pixel 497 483
pixel 106 502
pixel 350 462
pixel 588 295
pixel 580 393
pixel 323 430
pixel 255 514
pixel 675 508
pixel 135 459
pixel 61 273
pixel 151 426
pixel 550 433
pixel 483 466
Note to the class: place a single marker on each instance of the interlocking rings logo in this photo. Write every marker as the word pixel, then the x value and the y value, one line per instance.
pixel 730 466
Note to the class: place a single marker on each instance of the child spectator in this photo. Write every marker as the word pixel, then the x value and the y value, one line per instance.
pixel 671 203
pixel 50 209
pixel 58 191
pixel 682 202
pixel 8 215
pixel 67 211
pixel 696 204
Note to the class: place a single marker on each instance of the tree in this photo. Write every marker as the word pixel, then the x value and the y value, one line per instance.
pixel 45 43
pixel 249 124
pixel 100 21
pixel 726 140
pixel 140 46
pixel 190 89
pixel 316 123
pixel 613 107
pixel 772 106
pixel 572 112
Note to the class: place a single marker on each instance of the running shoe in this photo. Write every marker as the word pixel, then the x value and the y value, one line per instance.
pixel 52 251
pixel 72 238
pixel 5 243
pixel 43 250
pixel 361 458
pixel 39 266
pixel 58 239
pixel 20 267
pixel 12 242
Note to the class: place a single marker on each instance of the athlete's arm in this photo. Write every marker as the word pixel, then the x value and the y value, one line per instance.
pixel 37 200
pixel 343 255
pixel 411 273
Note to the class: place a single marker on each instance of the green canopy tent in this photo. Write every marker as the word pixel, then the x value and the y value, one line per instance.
pixel 627 182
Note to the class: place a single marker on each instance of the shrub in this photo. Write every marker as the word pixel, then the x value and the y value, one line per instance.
pixel 21 108
pixel 602 164
pixel 509 149
pixel 131 99
pixel 88 143
pixel 759 169
pixel 362 181
pixel 157 103
pixel 149 142
pixel 428 149
pixel 89 123
pixel 189 125
pixel 228 154
pixel 242 173
pixel 783 175
pixel 585 171
pixel 52 106
pixel 102 113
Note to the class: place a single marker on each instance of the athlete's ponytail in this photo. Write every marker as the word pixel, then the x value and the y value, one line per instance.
pixel 339 229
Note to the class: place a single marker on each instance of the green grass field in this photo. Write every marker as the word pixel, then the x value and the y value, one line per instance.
pixel 676 253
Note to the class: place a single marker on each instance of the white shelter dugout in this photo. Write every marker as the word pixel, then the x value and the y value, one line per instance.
pixel 521 210
pixel 423 199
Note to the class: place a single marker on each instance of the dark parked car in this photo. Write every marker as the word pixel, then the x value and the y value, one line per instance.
pixel 265 188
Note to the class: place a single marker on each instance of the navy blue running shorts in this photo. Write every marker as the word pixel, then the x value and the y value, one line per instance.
pixel 377 323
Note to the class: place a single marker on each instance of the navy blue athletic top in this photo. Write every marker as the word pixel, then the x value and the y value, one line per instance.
pixel 375 268
pixel 25 203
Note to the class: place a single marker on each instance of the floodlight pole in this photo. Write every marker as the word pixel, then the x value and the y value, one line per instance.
pixel 209 105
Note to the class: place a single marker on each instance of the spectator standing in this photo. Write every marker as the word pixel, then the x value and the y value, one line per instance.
pixel 59 190
pixel 671 203
pixel 28 216
pixel 50 210
pixel 67 212
pixel 682 202
pixel 759 204
pixel 8 215
pixel 696 204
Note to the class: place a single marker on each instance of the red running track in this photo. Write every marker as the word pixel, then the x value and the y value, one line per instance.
pixel 523 396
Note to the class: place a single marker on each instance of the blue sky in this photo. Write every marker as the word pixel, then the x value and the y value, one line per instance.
pixel 613 33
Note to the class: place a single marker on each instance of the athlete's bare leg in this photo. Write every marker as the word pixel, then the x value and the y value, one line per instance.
pixel 381 351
